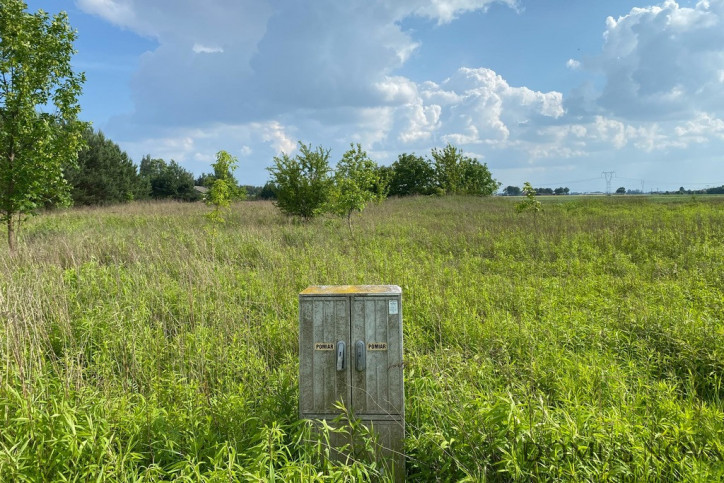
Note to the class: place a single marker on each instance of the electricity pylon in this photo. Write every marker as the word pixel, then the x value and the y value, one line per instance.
pixel 608 175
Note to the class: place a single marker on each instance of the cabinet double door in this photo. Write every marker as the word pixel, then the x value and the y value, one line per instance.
pixel 351 352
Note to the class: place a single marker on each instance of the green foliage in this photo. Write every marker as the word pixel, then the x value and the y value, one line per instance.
pixel 512 191
pixel 447 167
pixel 103 174
pixel 205 180
pixel 35 67
pixel 224 172
pixel 459 174
pixel 130 352
pixel 223 188
pixel 302 182
pixel 530 203
pixel 356 183
pixel 411 175
pixel 476 178
pixel 168 180
pixel 268 192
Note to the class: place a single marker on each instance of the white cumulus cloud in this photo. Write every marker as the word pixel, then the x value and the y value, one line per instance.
pixel 663 61
pixel 255 76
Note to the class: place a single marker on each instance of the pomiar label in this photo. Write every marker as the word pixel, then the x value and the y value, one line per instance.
pixel 377 346
pixel 324 346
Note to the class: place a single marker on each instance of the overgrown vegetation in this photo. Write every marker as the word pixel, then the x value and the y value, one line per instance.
pixel 168 180
pixel 302 182
pixel 39 130
pixel 591 351
pixel 355 184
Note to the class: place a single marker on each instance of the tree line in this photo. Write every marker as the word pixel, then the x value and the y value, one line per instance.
pixel 303 185
pixel 104 174
pixel 516 191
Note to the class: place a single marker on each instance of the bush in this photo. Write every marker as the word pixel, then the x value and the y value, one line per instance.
pixel 302 182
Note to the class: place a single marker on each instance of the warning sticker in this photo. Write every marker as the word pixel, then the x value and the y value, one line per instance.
pixel 377 346
pixel 394 308
pixel 324 346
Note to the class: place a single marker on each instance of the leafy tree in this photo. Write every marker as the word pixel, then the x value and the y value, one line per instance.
pixel 236 192
pixel 224 188
pixel 151 167
pixel 621 191
pixel 529 203
pixel 411 175
pixel 205 180
pixel 561 191
pixel 168 180
pixel 35 145
pixel 302 182
pixel 103 174
pixel 448 172
pixel 382 185
pixel 268 192
pixel 459 174
pixel 512 191
pixel 476 178
pixel 355 181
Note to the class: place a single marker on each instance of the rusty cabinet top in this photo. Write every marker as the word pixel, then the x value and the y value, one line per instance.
pixel 352 290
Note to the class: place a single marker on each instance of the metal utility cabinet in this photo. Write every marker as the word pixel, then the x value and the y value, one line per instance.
pixel 350 350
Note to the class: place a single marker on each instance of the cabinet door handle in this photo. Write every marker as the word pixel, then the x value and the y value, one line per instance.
pixel 360 356
pixel 340 355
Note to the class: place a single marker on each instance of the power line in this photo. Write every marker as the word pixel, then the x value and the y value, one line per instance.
pixel 564 183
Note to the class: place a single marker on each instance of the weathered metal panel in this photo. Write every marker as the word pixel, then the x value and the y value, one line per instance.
pixel 323 321
pixel 371 388
pixel 378 390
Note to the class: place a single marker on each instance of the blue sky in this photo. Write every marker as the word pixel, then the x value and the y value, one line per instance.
pixel 552 92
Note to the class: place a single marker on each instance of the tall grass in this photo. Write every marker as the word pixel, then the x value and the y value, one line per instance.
pixel 586 345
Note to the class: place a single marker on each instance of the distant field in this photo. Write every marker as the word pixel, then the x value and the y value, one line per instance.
pixel 584 343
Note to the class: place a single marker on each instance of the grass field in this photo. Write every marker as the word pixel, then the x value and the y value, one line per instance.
pixel 584 343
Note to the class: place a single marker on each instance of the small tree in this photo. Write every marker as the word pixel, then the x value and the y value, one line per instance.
pixel 476 178
pixel 223 188
pixel 529 203
pixel 533 205
pixel 411 175
pixel 302 182
pixel 356 182
pixel 459 174
pixel 223 171
pixel 448 173
pixel 35 74
pixel 621 190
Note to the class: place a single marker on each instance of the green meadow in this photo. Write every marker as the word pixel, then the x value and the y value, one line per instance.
pixel 581 343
